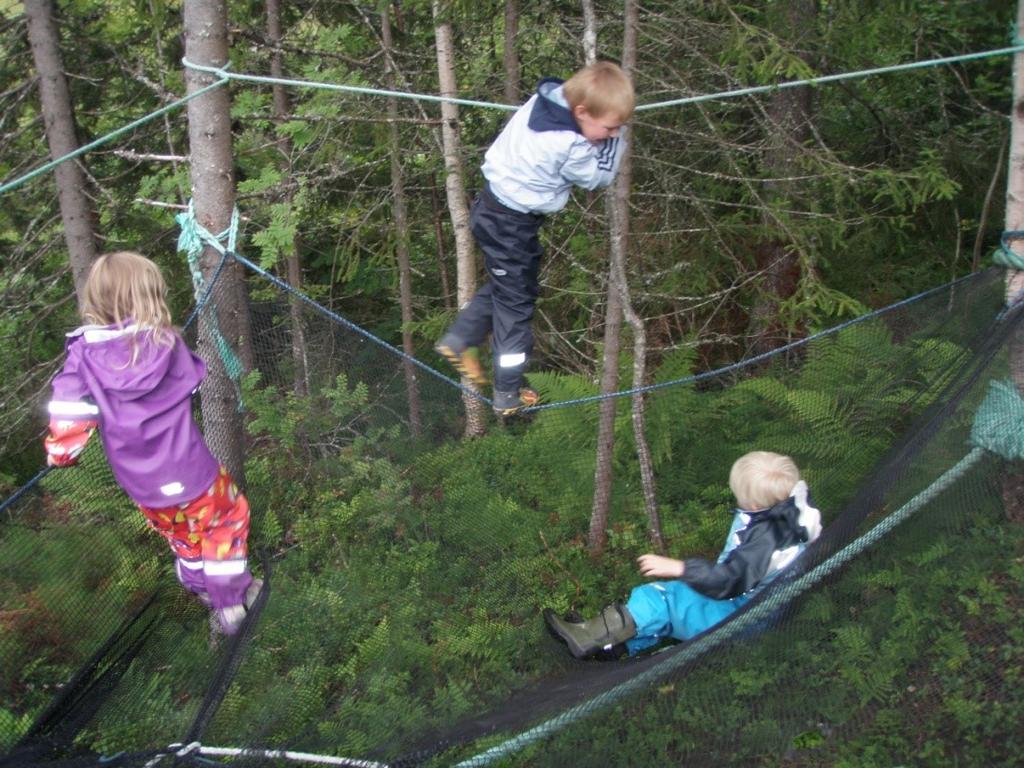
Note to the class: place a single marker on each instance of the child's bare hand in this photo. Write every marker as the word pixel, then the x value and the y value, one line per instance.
pixel 660 567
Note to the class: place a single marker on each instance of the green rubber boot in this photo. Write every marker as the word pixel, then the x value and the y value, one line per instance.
pixel 610 628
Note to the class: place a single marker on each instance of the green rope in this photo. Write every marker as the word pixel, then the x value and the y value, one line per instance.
pixel 223 73
pixel 999 423
pixel 1018 47
pixel 8 186
pixel 192 239
pixel 225 76
pixel 743 622
pixel 1005 255
pixel 1007 258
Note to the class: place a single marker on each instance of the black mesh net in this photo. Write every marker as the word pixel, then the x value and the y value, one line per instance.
pixel 407 566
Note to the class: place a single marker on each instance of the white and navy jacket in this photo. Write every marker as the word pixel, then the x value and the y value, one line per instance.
pixel 540 154
pixel 759 545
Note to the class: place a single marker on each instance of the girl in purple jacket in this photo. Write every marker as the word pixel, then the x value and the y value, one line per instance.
pixel 129 374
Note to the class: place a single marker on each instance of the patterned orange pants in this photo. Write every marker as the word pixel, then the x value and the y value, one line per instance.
pixel 214 526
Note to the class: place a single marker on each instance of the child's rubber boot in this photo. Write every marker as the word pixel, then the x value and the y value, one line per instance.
pixel 229 620
pixel 600 635
pixel 509 403
pixel 465 360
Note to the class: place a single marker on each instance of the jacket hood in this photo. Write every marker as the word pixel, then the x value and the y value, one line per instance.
pixel 106 351
pixel 547 113
pixel 796 512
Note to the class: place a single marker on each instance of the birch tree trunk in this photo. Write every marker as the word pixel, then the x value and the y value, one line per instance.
pixel 597 537
pixel 1013 482
pixel 456 190
pixel 401 230
pixel 620 242
pixel 213 194
pixel 76 210
pixel 1015 185
pixel 618 210
pixel 589 32
pixel 282 107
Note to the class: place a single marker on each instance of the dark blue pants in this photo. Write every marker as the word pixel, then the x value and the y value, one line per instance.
pixel 503 306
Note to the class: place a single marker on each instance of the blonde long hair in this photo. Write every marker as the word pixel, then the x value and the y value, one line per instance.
pixel 125 287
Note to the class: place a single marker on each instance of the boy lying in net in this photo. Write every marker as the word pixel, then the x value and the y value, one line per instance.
pixel 774 521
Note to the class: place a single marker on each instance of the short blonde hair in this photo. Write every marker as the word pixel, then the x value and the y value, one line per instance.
pixel 602 89
pixel 761 479
pixel 126 286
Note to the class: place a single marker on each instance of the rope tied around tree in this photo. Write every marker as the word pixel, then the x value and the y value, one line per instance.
pixel 999 423
pixel 1005 256
pixel 192 239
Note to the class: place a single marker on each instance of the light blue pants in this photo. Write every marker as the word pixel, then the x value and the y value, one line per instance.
pixel 673 609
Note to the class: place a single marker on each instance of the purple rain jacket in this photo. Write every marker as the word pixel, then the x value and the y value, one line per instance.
pixel 144 410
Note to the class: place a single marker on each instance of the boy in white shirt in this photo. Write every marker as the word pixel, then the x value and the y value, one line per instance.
pixel 567 134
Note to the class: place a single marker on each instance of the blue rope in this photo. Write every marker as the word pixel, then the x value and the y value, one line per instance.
pixel 751 360
pixel 352 326
pixel 206 294
pixel 562 404
pixel 596 398
pixel 21 491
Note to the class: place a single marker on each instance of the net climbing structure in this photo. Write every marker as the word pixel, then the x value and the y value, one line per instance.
pixel 407 569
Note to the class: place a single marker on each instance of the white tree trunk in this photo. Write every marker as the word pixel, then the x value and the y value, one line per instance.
pixel 1015 176
pixel 603 472
pixel 619 303
pixel 1013 480
pixel 456 189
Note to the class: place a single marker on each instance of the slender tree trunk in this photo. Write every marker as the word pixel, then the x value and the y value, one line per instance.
pixel 213 194
pixel 789 115
pixel 589 32
pixel 401 231
pixel 619 302
pixel 456 188
pixel 442 262
pixel 511 53
pixel 618 206
pixel 986 208
pixel 282 107
pixel 1013 482
pixel 597 537
pixel 76 210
